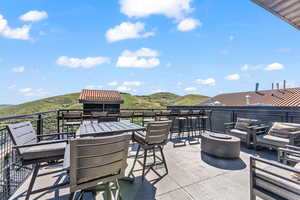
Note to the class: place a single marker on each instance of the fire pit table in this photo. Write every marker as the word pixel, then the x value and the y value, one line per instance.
pixel 221 145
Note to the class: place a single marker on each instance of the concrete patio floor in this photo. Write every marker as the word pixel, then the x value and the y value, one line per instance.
pixel 192 176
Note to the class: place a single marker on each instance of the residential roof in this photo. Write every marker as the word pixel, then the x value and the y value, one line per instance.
pixel 282 97
pixel 100 96
pixel 287 10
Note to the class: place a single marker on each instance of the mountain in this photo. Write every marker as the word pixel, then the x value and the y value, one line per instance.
pixel 70 101
pixel 4 105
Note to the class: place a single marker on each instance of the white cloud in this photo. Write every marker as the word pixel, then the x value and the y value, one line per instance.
pixel 208 81
pixel 233 77
pixel 188 24
pixel 274 66
pixel 13 86
pixel 231 37
pixel 190 89
pixel 157 91
pixel 129 86
pixel 6 31
pixel 29 92
pixel 123 88
pixel 113 83
pixel 34 15
pixel 142 58
pixel 18 69
pixel 132 83
pixel 81 62
pixel 144 8
pixel 93 87
pixel 127 30
pixel 247 67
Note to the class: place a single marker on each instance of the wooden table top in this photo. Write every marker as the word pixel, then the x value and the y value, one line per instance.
pixel 106 128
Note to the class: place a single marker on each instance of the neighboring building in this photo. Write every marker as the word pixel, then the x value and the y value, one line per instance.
pixel 282 97
pixel 100 100
pixel 287 10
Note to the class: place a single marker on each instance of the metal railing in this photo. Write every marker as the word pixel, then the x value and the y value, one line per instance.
pixel 266 114
pixel 12 174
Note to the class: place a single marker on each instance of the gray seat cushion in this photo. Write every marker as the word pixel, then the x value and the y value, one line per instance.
pixel 238 133
pixel 139 137
pixel 273 140
pixel 43 151
pixel 283 130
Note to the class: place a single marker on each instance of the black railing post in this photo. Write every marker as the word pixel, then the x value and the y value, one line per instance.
pixel 6 177
pixel 39 125
pixel 58 128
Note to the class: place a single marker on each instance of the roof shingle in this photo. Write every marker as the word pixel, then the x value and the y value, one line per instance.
pixel 287 97
pixel 100 96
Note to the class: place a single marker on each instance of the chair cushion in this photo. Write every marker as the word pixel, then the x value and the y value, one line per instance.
pixel 43 151
pixel 283 130
pixel 278 186
pixel 273 140
pixel 238 133
pixel 244 123
pixel 140 137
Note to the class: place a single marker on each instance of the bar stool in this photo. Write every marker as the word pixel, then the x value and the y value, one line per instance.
pixel 155 137
pixel 193 126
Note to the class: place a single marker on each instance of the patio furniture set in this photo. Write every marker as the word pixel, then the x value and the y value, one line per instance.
pixel 97 153
pixel 277 180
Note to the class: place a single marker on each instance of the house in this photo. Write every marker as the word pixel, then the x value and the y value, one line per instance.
pixel 274 97
pixel 100 101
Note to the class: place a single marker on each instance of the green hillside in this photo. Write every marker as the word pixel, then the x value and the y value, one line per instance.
pixel 4 105
pixel 70 101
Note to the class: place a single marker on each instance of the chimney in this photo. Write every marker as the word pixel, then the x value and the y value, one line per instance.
pixel 277 84
pixel 256 87
pixel 284 85
pixel 272 86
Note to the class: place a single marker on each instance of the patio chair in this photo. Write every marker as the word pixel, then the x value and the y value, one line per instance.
pixel 96 164
pixel 148 117
pixel 279 135
pixel 32 150
pixel 273 180
pixel 241 129
pixel 156 136
pixel 289 154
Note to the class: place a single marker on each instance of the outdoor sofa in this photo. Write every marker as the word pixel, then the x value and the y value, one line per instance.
pixel 242 129
pixel 279 135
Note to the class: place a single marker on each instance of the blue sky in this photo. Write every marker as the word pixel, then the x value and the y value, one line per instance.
pixel 142 46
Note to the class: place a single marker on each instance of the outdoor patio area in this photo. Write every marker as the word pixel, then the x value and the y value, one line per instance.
pixel 192 175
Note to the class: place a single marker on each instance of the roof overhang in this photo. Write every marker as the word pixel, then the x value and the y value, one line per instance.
pixel 100 102
pixel 287 10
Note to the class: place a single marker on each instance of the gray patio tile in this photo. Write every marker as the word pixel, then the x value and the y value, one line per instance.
pixel 179 194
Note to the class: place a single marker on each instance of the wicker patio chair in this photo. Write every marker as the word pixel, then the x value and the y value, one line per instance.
pixel 32 150
pixel 279 135
pixel 156 136
pixel 241 129
pixel 96 164
pixel 273 180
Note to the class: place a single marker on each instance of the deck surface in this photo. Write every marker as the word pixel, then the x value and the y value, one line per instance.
pixel 192 175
